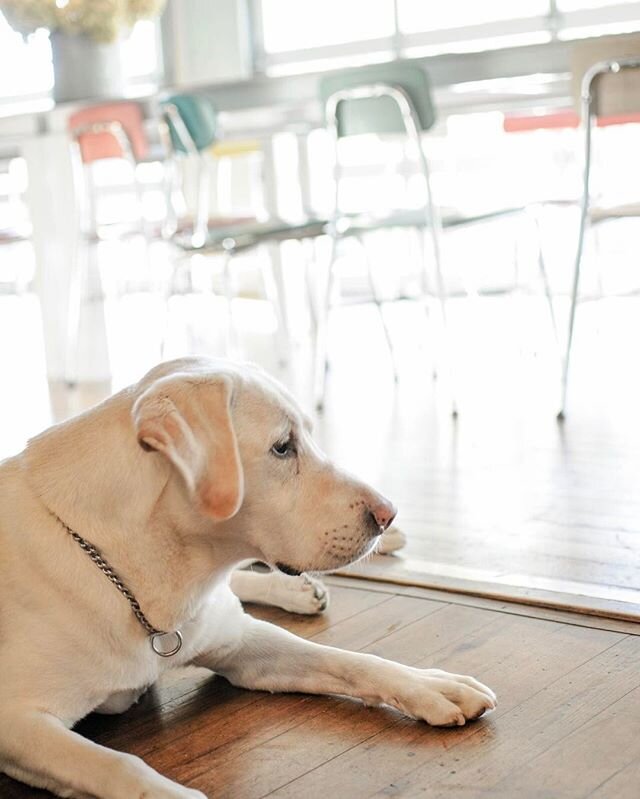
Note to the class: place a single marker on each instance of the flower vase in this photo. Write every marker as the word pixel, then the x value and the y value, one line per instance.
pixel 85 69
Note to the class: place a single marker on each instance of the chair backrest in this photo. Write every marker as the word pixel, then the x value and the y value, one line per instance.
pixel 97 145
pixel 613 94
pixel 379 114
pixel 198 113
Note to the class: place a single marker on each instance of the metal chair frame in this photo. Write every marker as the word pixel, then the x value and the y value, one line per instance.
pixel 174 119
pixel 608 66
pixel 411 123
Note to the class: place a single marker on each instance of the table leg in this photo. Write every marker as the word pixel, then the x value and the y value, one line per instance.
pixel 54 209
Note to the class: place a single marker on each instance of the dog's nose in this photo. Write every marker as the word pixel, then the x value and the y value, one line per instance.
pixel 383 512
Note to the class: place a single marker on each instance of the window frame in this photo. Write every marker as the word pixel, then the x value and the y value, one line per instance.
pixel 555 25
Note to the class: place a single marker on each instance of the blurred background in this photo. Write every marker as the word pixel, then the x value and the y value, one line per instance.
pixel 420 216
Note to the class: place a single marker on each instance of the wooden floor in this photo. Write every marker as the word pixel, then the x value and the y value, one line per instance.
pixel 503 495
pixel 567 724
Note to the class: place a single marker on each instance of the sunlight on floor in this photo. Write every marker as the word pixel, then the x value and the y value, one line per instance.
pixel 504 488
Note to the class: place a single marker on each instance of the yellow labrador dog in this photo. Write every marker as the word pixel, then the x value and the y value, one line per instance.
pixel 119 533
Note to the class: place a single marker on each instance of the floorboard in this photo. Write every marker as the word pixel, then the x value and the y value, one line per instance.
pixel 566 726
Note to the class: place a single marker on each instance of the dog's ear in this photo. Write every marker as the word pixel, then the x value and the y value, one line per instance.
pixel 190 423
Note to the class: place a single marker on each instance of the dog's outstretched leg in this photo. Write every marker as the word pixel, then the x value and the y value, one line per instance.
pixel 268 658
pixel 37 748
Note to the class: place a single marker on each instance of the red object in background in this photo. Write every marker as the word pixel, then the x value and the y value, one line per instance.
pixel 96 146
pixel 558 120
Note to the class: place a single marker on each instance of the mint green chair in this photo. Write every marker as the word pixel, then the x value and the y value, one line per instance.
pixel 197 113
pixel 392 98
pixel 359 108
pixel 191 122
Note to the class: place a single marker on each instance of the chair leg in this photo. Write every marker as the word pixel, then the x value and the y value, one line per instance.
pixel 572 311
pixel 276 294
pixel 90 216
pixel 170 288
pixel 231 341
pixel 142 221
pixel 584 215
pixel 309 252
pixel 170 222
pixel 595 241
pixel 426 290
pixel 85 230
pixel 143 225
pixel 435 229
pixel 201 227
pixel 323 311
pixel 544 276
pixel 379 303
pixel 74 309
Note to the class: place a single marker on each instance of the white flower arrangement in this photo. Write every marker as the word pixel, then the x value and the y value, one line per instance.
pixel 100 20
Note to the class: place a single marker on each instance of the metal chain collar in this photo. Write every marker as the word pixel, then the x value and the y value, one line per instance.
pixel 104 566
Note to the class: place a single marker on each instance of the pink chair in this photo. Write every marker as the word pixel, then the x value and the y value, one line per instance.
pixel 110 130
pixel 99 132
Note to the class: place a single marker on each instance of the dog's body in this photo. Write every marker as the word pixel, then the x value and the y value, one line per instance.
pixel 176 480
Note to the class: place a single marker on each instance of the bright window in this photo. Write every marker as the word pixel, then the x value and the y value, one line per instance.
pixel 296 25
pixel 140 54
pixel 25 66
pixel 414 17
pixel 304 35
pixel 26 69
pixel 577 5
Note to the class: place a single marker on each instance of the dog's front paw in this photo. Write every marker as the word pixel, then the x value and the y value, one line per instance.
pixel 443 699
pixel 302 594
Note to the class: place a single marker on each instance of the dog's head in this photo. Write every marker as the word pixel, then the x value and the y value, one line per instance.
pixel 244 459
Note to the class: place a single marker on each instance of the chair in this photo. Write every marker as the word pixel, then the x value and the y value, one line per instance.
pixel 192 122
pixel 393 98
pixel 100 132
pixel 110 130
pixel 606 79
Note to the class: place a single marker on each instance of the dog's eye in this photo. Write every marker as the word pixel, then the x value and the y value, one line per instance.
pixel 284 449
